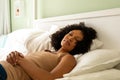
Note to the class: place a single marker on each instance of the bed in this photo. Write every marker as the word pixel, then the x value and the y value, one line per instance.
pixel 102 62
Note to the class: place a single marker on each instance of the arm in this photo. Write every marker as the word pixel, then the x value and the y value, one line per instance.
pixel 16 58
pixel 66 64
pixel 34 71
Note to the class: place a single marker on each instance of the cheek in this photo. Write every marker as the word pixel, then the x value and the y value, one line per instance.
pixel 61 42
pixel 72 46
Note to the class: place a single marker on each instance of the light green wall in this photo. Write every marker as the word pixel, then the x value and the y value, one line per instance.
pixel 51 8
pixel 24 21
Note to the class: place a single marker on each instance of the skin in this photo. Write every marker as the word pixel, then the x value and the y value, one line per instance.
pixel 67 44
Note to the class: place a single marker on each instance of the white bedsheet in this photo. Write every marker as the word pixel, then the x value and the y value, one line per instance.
pixel 111 74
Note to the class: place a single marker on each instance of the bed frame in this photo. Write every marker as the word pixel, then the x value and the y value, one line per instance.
pixel 105 22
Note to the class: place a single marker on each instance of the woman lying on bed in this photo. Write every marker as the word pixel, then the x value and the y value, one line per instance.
pixel 49 65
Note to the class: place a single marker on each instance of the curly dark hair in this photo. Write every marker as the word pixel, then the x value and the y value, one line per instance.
pixel 81 46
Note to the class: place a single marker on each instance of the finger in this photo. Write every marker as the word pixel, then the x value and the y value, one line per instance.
pixel 13 56
pixel 9 60
pixel 20 54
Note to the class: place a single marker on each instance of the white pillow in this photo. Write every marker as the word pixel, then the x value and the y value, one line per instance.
pixel 40 41
pixel 96 44
pixel 96 60
pixel 37 42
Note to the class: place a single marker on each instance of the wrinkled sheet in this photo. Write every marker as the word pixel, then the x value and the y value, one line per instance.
pixel 111 74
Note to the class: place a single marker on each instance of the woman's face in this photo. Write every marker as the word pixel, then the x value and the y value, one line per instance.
pixel 70 39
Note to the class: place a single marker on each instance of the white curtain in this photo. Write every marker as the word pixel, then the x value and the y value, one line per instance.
pixel 4 17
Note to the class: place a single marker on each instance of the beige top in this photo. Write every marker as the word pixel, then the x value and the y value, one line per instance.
pixel 45 60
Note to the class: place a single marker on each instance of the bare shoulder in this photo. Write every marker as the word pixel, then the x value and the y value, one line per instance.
pixel 66 64
pixel 68 56
pixel 70 59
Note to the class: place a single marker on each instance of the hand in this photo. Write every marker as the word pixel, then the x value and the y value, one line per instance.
pixel 13 57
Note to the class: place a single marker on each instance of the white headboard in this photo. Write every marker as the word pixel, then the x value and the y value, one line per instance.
pixel 105 22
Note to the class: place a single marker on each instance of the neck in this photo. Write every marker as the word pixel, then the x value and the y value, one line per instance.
pixel 61 50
